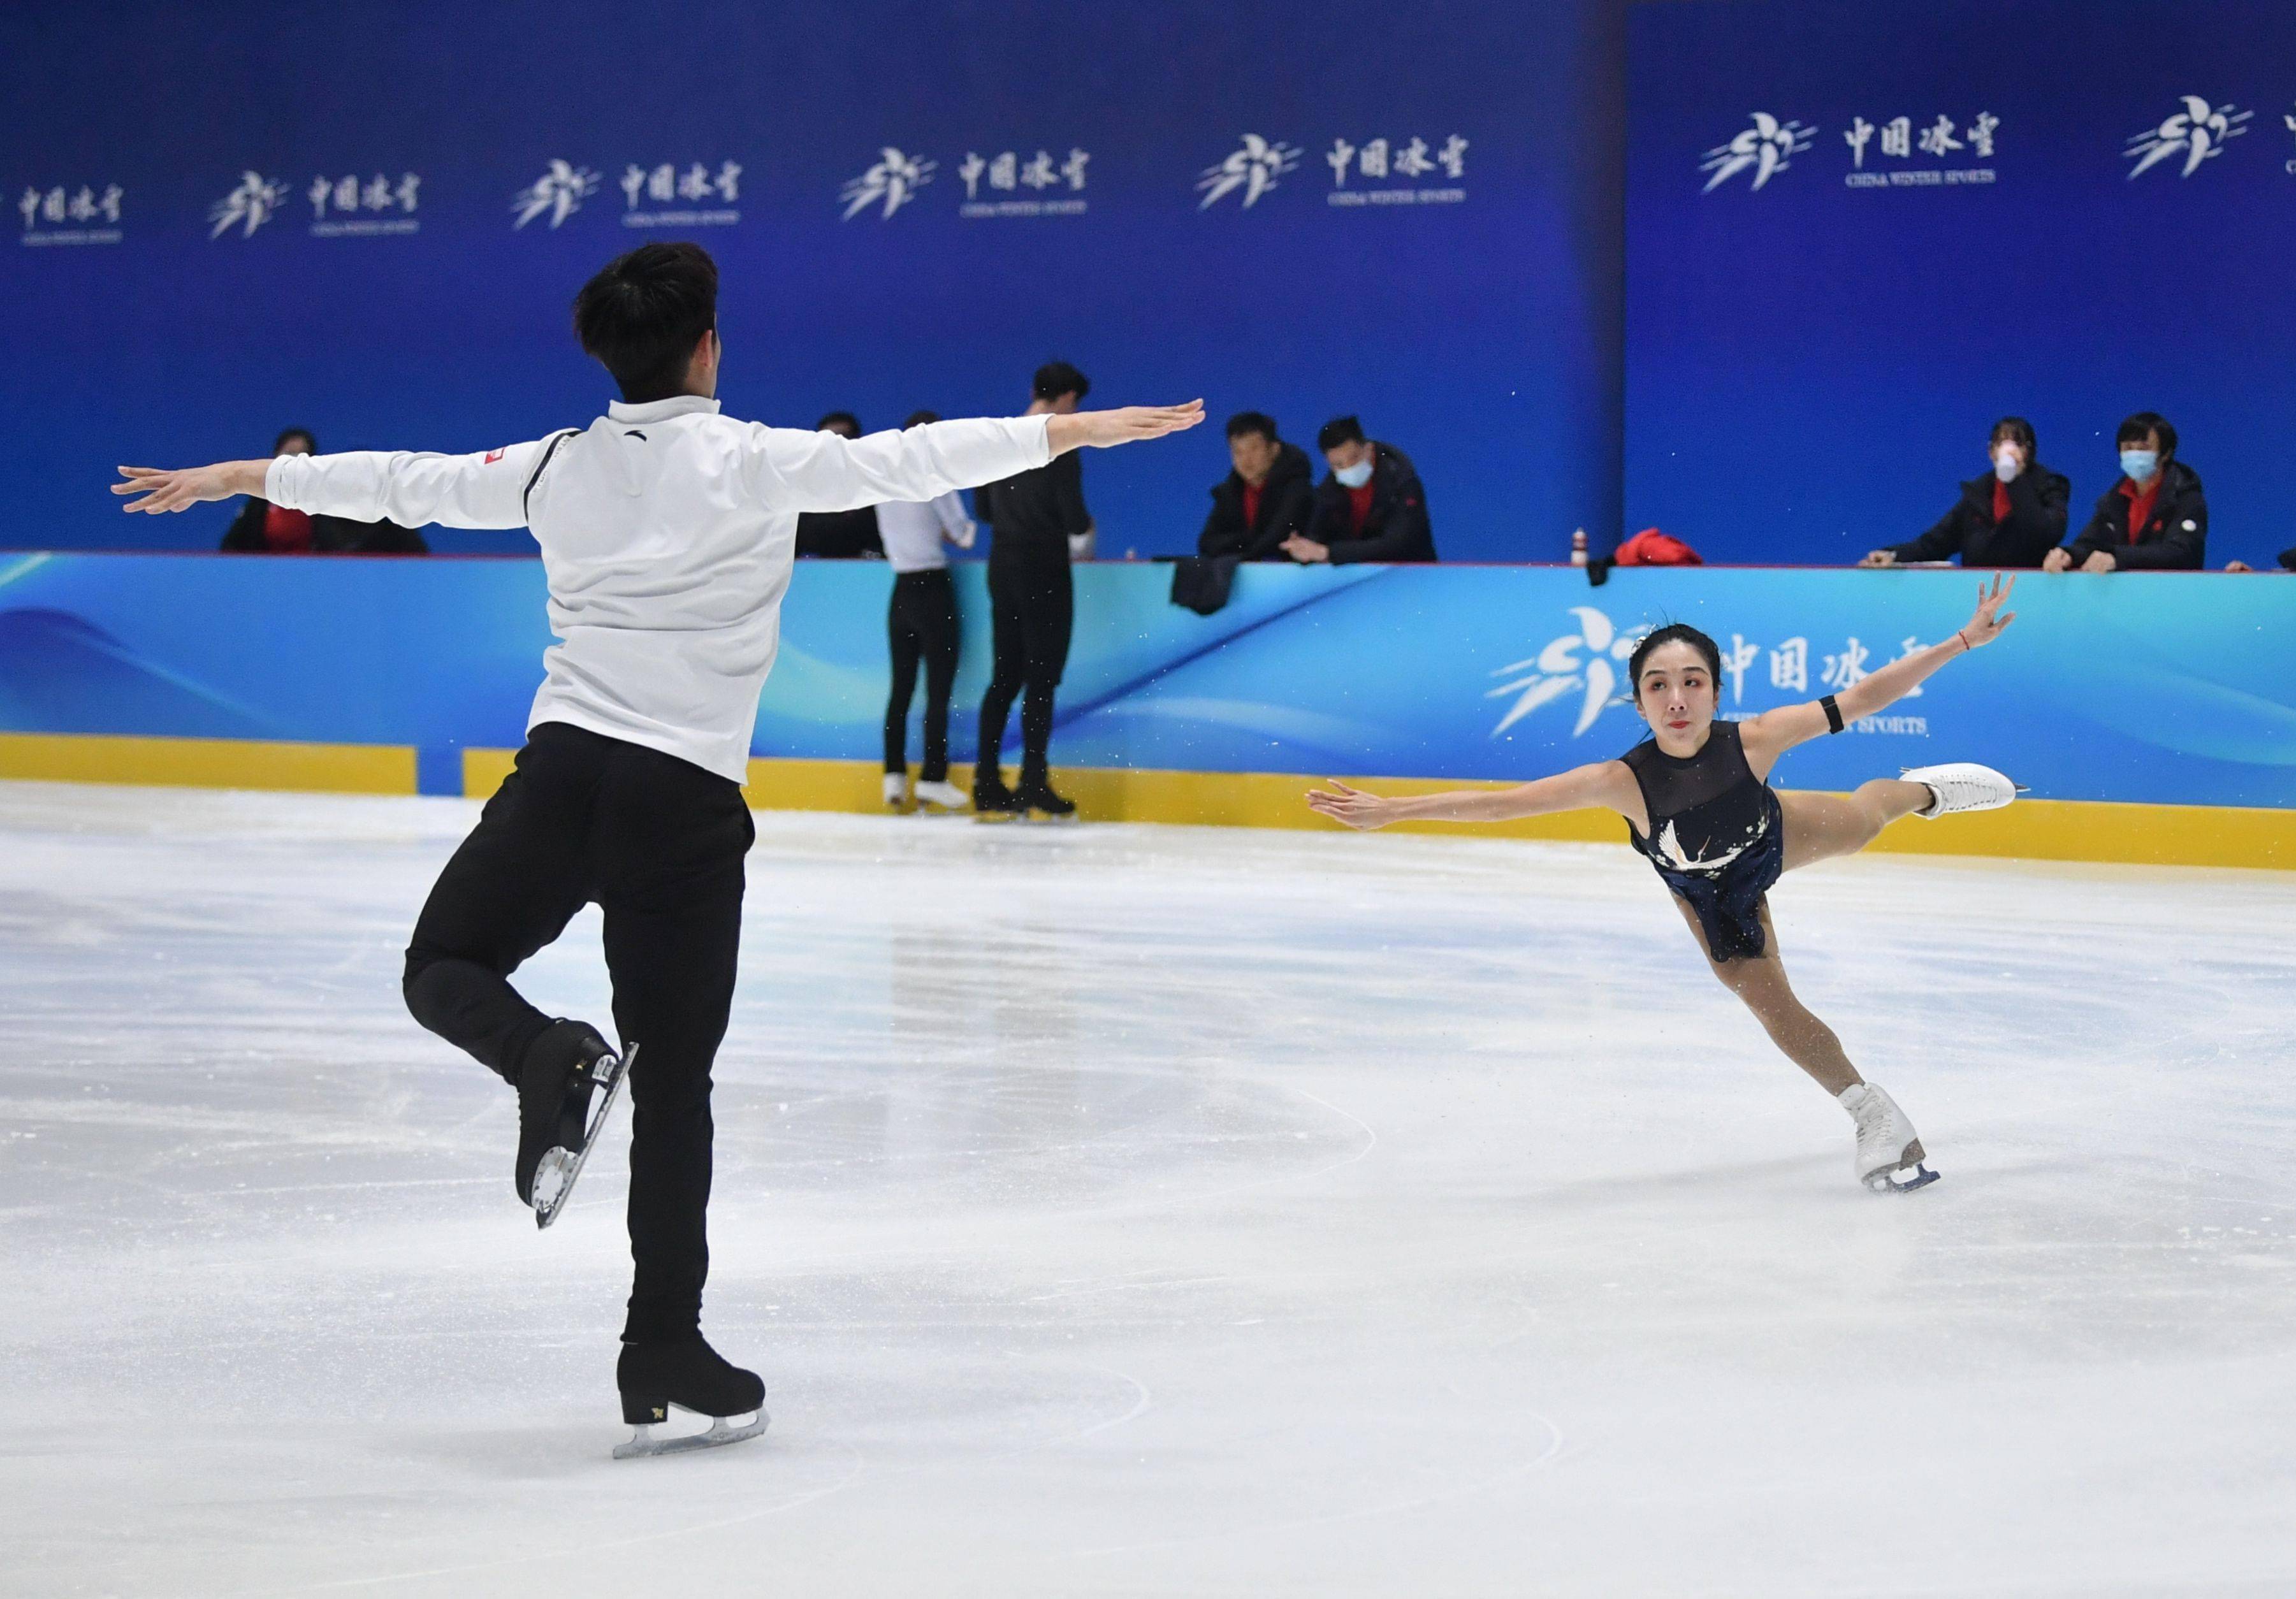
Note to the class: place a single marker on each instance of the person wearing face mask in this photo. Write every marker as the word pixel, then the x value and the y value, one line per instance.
pixel 1264 500
pixel 2155 519
pixel 1370 508
pixel 2013 515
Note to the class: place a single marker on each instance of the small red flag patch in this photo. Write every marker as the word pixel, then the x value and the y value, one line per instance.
pixel 493 457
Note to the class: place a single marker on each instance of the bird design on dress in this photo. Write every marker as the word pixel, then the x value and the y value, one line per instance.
pixel 1670 847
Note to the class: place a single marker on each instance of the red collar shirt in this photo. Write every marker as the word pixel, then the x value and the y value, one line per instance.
pixel 2140 505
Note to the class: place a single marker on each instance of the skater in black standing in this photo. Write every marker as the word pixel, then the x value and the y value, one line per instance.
pixel 1035 515
pixel 667 531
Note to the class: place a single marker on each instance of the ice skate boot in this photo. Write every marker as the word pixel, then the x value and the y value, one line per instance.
pixel 556 1128
pixel 687 1375
pixel 992 801
pixel 943 795
pixel 1886 1143
pixel 896 790
pixel 1036 797
pixel 1961 786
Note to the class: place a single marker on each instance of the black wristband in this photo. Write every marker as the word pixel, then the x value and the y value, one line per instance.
pixel 1833 713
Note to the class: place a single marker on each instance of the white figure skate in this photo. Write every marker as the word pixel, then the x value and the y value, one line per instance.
pixel 1886 1143
pixel 1960 786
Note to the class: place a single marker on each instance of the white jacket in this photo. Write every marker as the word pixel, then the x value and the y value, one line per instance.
pixel 668 533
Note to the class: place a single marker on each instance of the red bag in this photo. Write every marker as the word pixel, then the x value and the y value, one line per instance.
pixel 1651 547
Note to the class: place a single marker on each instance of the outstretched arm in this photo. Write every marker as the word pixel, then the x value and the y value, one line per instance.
pixel 1775 732
pixel 1605 785
pixel 165 490
pixel 483 490
pixel 794 470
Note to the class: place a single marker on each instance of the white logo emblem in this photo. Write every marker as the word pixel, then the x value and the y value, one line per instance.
pixel 558 194
pixel 1765 147
pixel 1254 167
pixel 250 205
pixel 2197 132
pixel 895 179
pixel 1557 669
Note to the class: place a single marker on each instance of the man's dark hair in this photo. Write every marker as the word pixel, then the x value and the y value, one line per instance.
pixel 1055 377
pixel 1339 431
pixel 828 424
pixel 918 419
pixel 643 313
pixel 1252 421
pixel 2019 432
pixel 305 434
pixel 2133 432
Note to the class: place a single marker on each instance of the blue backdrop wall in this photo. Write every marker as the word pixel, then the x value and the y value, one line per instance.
pixel 191 270
pixel 2065 209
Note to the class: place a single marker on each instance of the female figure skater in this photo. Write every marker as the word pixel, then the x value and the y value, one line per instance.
pixel 1698 805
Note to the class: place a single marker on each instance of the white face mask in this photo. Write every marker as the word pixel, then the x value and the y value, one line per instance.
pixel 2006 464
pixel 1355 476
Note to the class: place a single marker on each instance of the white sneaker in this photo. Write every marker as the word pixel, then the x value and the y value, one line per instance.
pixel 1887 1143
pixel 945 794
pixel 1961 786
pixel 896 788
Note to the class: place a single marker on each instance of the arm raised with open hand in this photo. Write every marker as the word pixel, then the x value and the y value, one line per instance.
pixel 1775 732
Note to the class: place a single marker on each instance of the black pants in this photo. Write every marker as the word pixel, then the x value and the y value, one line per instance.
pixel 922 623
pixel 1032 603
pixel 658 844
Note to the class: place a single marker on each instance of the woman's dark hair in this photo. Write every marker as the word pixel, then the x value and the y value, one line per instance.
pixel 2133 430
pixel 2018 431
pixel 305 434
pixel 1055 377
pixel 643 314
pixel 918 419
pixel 828 424
pixel 1674 633
pixel 1339 431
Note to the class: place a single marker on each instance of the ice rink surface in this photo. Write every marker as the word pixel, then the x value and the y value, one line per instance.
pixel 1135 1211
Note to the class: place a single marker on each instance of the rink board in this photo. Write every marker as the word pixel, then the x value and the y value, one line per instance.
pixel 2139 709
pixel 2072 830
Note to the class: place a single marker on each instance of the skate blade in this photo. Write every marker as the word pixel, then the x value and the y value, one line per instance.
pixel 1886 1182
pixel 643 1443
pixel 1046 818
pixel 554 1178
pixel 994 818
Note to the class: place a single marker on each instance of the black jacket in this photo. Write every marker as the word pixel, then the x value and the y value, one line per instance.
pixel 839 535
pixel 1286 499
pixel 1034 513
pixel 2035 525
pixel 329 535
pixel 2174 538
pixel 1396 527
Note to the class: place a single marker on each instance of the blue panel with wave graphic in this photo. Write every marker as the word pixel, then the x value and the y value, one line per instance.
pixel 2169 688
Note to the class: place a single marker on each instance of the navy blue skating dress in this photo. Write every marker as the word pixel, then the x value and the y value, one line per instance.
pixel 1718 835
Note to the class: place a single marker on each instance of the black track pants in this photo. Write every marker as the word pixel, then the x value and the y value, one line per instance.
pixel 1033 606
pixel 658 844
pixel 921 625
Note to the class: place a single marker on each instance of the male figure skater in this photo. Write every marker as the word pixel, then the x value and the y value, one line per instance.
pixel 667 531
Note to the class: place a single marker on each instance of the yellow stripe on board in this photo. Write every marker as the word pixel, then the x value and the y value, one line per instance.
pixel 2068 830
pixel 208 763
